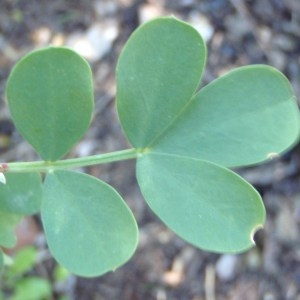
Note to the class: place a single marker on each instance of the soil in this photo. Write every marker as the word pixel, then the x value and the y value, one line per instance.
pixel 165 267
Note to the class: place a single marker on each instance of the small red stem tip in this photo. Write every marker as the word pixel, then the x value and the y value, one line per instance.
pixel 3 167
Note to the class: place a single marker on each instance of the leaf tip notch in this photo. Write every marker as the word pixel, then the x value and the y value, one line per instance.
pixel 253 233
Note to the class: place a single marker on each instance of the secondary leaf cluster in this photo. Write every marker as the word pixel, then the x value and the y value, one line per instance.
pixel 185 141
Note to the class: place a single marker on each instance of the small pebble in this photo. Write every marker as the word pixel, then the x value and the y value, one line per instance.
pixel 149 11
pixel 95 42
pixel 226 266
pixel 201 24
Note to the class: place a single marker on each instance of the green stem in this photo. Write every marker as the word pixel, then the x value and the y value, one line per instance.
pixel 46 166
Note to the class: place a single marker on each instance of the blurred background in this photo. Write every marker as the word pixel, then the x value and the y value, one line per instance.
pixel 237 32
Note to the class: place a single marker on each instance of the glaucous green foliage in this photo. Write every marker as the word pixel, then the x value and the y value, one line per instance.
pixel 45 92
pixel 184 141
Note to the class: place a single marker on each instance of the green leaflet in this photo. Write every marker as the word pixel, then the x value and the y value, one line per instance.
pixel 50 96
pixel 207 205
pixel 158 71
pixel 23 261
pixel 89 228
pixel 22 193
pixel 34 288
pixel 244 117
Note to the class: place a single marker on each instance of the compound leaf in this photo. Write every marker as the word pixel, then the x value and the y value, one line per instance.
pixel 245 117
pixel 158 72
pixel 22 193
pixel 207 205
pixel 50 96
pixel 89 228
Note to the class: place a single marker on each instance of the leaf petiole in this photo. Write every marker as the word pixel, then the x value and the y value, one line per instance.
pixel 47 166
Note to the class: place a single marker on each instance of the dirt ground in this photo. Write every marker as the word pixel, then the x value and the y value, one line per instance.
pixel 237 32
